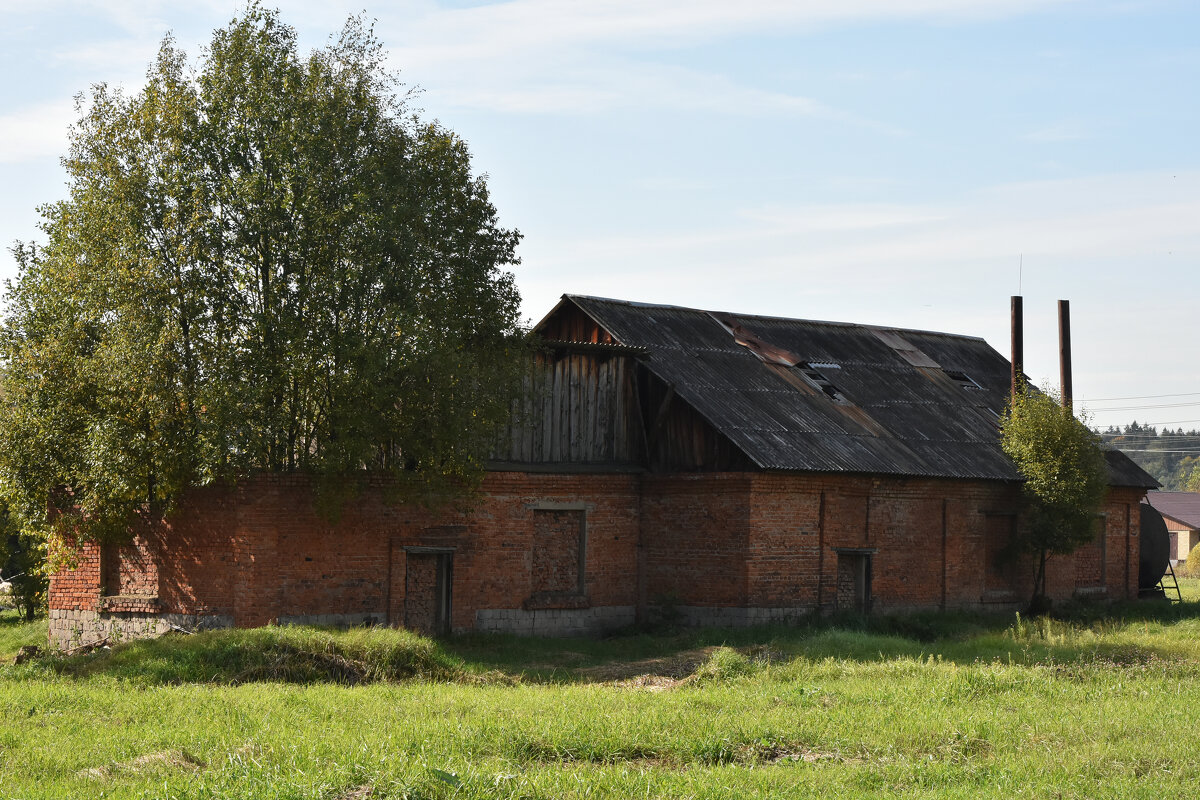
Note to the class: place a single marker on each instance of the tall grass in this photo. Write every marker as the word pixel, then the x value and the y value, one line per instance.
pixel 283 655
pixel 16 633
pixel 1001 707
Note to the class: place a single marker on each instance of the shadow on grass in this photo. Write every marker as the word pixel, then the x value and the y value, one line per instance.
pixel 1121 635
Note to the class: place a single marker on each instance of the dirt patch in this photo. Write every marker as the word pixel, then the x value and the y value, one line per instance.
pixel 651 674
pixel 667 672
pixel 174 759
pixel 649 683
pixel 358 793
pixel 779 755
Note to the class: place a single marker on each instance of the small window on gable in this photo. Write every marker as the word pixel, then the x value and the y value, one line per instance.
pixel 961 378
pixel 814 371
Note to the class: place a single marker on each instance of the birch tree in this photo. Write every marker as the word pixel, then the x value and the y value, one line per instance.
pixel 265 262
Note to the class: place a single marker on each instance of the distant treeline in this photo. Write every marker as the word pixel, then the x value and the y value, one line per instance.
pixel 1173 457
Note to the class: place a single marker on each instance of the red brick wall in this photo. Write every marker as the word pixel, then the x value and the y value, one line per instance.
pixel 421 587
pixel 260 551
pixel 556 543
pixel 783 548
pixel 695 531
pixel 1122 526
pixel 77 589
pixel 927 538
pixel 129 570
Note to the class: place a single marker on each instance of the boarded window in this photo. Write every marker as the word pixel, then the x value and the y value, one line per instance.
pixel 128 570
pixel 1000 558
pixel 1091 559
pixel 558 549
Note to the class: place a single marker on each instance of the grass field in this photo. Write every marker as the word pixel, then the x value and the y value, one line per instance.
pixel 1084 707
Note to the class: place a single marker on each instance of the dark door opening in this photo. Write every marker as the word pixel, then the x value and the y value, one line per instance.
pixel 854 582
pixel 427 592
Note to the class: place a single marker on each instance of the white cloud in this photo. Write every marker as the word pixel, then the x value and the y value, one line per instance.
pixel 1121 230
pixel 117 62
pixel 35 132
pixel 1113 216
pixel 580 88
pixel 485 32
pixel 548 56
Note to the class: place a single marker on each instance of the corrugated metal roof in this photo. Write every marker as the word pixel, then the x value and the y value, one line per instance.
pixel 1181 506
pixel 899 405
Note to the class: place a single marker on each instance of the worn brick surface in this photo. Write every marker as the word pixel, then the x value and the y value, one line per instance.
pixel 760 545
pixel 421 592
pixel 556 541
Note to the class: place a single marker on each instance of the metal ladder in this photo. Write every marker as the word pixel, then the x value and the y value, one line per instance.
pixel 1165 587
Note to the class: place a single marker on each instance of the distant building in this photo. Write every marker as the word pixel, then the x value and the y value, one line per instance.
pixel 733 469
pixel 1181 512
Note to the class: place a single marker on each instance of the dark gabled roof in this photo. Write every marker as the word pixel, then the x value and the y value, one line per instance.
pixel 1124 471
pixel 829 396
pixel 1183 507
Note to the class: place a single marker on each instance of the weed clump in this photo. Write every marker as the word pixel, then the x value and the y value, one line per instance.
pixel 274 654
pixel 725 664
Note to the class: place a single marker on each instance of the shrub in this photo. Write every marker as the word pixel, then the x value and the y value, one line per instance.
pixel 1193 562
pixel 724 664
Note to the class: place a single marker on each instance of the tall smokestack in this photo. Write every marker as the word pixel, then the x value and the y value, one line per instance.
pixel 1018 345
pixel 1064 351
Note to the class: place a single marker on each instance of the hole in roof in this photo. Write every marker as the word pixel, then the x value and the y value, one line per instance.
pixel 961 378
pixel 814 375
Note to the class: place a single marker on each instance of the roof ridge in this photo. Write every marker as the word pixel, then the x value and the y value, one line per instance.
pixel 770 318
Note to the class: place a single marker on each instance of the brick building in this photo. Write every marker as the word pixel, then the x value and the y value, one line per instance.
pixel 739 469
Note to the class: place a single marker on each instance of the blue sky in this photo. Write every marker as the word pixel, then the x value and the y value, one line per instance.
pixel 899 162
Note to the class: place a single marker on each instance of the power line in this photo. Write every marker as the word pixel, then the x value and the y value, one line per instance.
pixel 1141 407
pixel 1170 422
pixel 1138 438
pixel 1138 397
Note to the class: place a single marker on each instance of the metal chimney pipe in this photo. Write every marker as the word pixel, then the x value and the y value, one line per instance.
pixel 1064 351
pixel 1018 345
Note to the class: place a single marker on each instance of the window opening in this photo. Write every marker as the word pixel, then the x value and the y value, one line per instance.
pixel 961 378
pixel 559 547
pixel 810 370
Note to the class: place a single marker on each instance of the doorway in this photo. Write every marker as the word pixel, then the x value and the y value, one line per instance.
pixel 427 590
pixel 854 581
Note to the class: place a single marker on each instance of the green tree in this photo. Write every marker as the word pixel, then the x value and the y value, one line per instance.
pixel 1065 476
pixel 23 560
pixel 265 263
pixel 1190 480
